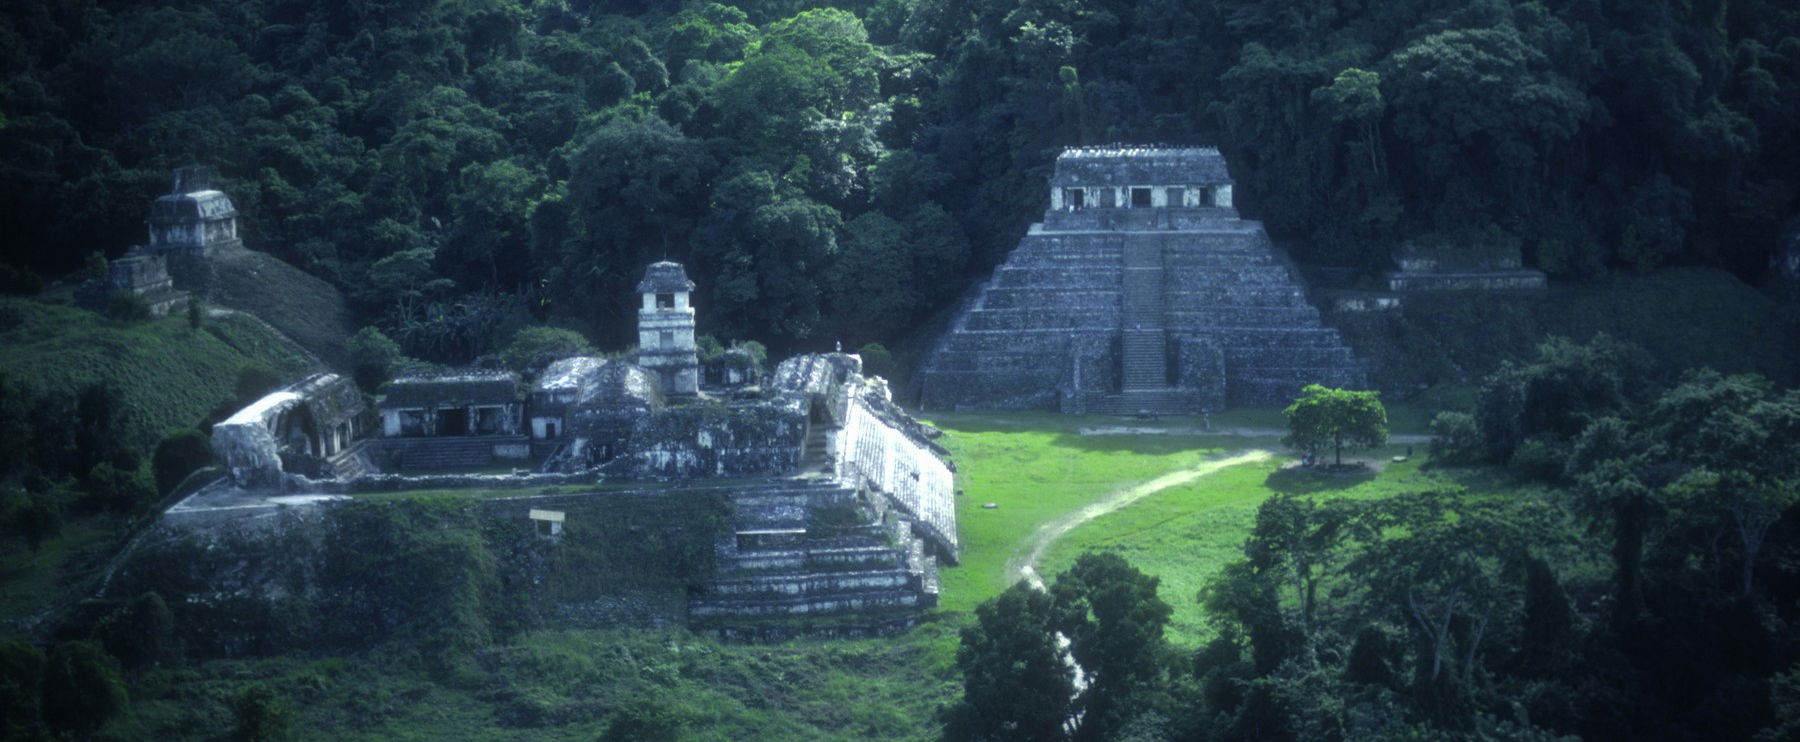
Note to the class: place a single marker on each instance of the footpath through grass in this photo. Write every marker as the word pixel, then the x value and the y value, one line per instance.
pixel 1038 467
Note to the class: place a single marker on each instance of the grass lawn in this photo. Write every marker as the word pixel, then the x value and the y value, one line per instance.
pixel 563 685
pixel 1037 467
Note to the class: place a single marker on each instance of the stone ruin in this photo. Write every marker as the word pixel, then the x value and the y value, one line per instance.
pixel 842 502
pixel 1141 291
pixel 309 427
pixel 190 221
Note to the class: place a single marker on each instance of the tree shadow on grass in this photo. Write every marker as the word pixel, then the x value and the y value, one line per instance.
pixel 1296 480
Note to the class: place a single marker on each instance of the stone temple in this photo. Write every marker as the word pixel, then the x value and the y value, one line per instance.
pixel 1141 291
pixel 840 503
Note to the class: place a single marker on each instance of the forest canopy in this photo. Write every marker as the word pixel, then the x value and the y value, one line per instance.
pixel 841 171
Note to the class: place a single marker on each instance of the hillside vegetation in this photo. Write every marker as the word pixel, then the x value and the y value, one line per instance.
pixel 839 170
pixel 168 374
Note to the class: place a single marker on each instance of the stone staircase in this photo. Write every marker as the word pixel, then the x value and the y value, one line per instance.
pixel 1210 309
pixel 351 462
pixel 815 453
pixel 1143 345
pixel 808 548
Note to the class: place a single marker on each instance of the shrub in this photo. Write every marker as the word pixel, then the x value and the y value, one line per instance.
pixel 1537 460
pixel 261 714
pixel 82 688
pixel 645 720
pixel 1454 438
pixel 140 632
pixel 373 357
pixel 538 345
pixel 124 490
pixel 127 306
pixel 38 520
pixel 877 361
pixel 21 670
pixel 178 455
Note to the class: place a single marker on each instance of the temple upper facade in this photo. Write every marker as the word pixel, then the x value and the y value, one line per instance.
pixel 193 218
pixel 1120 177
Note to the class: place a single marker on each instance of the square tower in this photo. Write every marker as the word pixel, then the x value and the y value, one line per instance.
pixel 666 329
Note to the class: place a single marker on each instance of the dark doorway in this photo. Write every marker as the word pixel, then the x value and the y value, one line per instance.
pixel 453 421
pixel 1176 197
pixel 665 301
pixel 1140 198
pixel 549 430
pixel 1074 198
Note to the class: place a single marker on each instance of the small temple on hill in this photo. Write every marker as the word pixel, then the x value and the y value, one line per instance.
pixel 1142 290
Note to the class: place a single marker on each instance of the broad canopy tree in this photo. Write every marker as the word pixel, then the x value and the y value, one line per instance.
pixel 1323 416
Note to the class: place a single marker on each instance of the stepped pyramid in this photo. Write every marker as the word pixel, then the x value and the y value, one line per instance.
pixel 1142 290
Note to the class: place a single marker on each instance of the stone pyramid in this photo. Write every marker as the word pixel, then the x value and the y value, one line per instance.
pixel 1141 291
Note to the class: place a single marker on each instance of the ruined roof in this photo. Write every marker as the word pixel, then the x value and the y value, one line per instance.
pixel 332 399
pixel 187 207
pixel 450 390
pixel 568 373
pixel 666 277
pixel 618 384
pixel 1120 165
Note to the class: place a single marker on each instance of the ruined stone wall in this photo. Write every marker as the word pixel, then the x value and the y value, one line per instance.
pixel 713 440
pixel 877 450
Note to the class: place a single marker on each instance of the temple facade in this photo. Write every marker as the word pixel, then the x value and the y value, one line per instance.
pixel 1142 290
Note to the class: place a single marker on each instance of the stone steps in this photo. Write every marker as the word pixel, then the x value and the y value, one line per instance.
pixel 705 607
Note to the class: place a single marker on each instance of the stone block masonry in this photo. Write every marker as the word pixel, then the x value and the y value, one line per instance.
pixel 1152 296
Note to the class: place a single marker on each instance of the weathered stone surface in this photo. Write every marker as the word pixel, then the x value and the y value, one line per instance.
pixel 314 419
pixel 1115 308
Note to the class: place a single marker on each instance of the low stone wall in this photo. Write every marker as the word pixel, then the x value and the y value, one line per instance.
pixel 404 482
pixel 712 440
pixel 1508 280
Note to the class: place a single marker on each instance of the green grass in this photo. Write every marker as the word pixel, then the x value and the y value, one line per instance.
pixel 564 685
pixel 169 374
pixel 29 585
pixel 1185 534
pixel 1037 467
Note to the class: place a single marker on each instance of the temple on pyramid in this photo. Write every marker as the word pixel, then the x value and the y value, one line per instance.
pixel 1141 291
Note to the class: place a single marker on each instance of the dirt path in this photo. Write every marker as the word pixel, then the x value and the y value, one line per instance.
pixel 1024 563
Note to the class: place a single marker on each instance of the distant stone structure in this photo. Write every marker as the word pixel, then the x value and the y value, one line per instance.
pixel 842 504
pixel 139 273
pixel 1462 268
pixel 666 329
pixel 1141 291
pixel 308 427
pixel 194 218
pixel 458 419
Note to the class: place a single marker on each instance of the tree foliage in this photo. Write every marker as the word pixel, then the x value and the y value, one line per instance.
pixel 1336 417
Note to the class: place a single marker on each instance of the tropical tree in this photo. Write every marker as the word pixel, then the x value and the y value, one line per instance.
pixel 1017 686
pixel 1336 417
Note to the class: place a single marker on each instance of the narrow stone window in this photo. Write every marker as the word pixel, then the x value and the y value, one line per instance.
pixel 1140 198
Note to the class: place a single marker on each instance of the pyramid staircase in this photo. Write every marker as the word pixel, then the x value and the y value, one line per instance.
pixel 810 548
